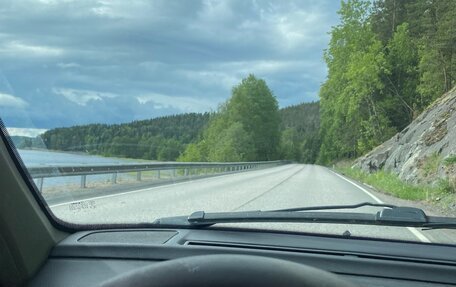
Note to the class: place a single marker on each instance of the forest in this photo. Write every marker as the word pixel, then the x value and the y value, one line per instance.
pixel 203 137
pixel 387 61
pixel 161 138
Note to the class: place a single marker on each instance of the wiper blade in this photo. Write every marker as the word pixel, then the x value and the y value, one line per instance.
pixel 328 207
pixel 390 215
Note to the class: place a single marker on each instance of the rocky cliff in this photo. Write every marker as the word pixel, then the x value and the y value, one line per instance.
pixel 425 150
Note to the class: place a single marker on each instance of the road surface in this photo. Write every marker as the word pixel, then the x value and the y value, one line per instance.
pixel 293 185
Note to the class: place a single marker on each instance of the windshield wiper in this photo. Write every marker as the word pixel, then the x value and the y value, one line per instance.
pixel 328 207
pixel 389 215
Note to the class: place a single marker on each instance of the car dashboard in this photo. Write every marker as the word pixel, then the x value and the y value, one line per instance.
pixel 89 258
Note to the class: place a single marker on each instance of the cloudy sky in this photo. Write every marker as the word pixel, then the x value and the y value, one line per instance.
pixel 75 62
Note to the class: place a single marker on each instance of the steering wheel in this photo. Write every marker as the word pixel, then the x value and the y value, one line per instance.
pixel 227 270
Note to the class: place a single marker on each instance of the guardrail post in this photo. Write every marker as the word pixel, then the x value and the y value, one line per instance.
pixel 175 170
pixel 83 181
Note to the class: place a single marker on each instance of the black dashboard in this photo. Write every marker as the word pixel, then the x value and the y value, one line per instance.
pixel 92 257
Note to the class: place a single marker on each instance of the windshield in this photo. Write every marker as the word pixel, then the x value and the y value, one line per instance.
pixel 129 112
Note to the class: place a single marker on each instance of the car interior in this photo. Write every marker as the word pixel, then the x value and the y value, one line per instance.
pixel 36 249
pixel 228 143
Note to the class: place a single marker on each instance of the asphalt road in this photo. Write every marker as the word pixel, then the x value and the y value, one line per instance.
pixel 287 186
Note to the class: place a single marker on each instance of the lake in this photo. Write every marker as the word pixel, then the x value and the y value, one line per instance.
pixel 52 158
pixel 33 158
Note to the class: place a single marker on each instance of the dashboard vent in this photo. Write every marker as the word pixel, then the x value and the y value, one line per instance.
pixel 129 237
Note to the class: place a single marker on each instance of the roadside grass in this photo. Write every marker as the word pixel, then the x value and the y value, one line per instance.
pixel 391 184
pixel 450 160
pixel 430 165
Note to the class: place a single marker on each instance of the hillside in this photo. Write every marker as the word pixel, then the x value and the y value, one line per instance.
pixel 387 61
pixel 423 152
pixel 304 117
pixel 24 142
pixel 300 126
pixel 161 138
pixel 165 138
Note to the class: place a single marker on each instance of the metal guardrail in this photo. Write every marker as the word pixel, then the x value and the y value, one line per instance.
pixel 178 169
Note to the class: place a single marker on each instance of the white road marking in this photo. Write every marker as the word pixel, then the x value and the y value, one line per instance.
pixel 413 230
pixel 418 234
pixel 360 187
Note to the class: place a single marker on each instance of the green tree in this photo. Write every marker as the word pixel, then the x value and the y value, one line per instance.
pixel 169 150
pixel 233 144
pixel 253 105
pixel 300 140
pixel 290 145
pixel 438 50
pixel 400 102
pixel 194 152
pixel 310 147
pixel 387 15
pixel 352 120
pixel 245 128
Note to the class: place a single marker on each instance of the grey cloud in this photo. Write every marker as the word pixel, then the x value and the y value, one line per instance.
pixel 192 50
pixel 10 101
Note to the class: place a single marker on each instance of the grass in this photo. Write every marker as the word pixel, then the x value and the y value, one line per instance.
pixel 430 164
pixel 450 160
pixel 391 184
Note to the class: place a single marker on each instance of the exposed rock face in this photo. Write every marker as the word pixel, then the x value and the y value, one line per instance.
pixel 432 134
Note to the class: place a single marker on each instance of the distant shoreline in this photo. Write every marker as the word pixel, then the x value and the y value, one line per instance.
pixel 57 151
pixel 86 154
